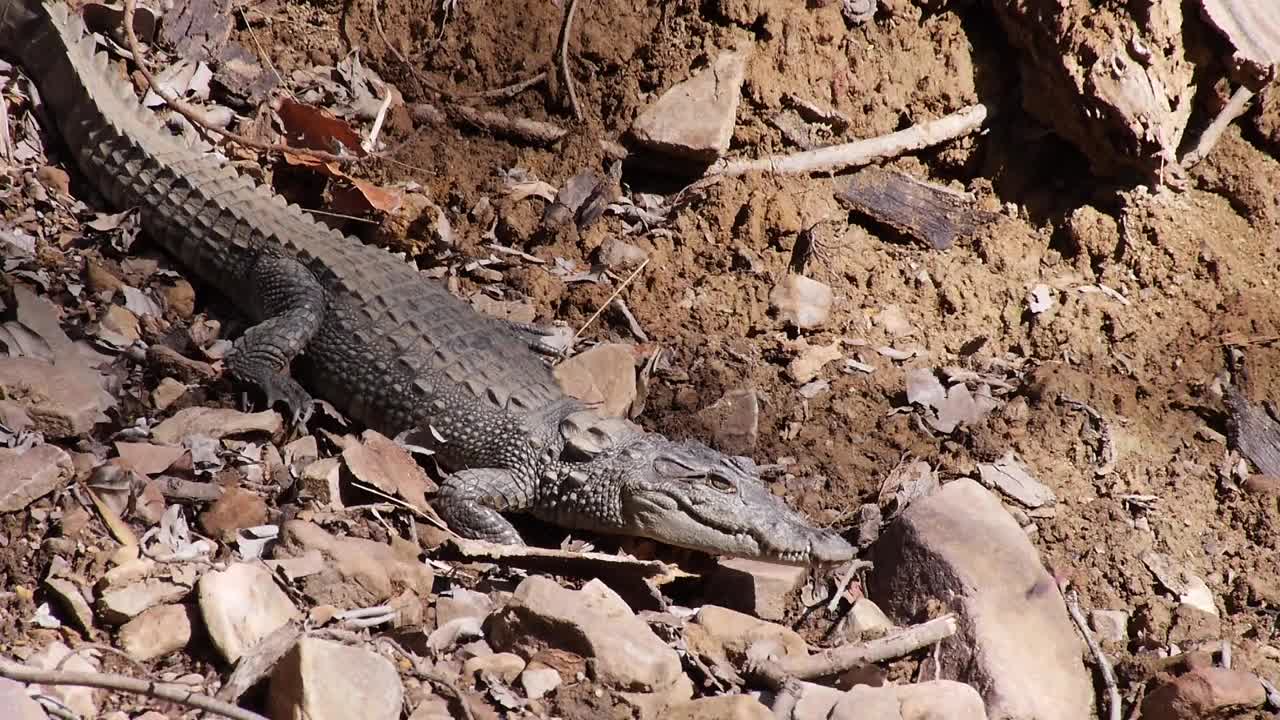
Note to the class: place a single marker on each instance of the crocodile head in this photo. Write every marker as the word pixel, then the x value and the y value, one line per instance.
pixel 688 495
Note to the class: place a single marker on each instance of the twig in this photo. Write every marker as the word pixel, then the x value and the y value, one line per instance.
pixel 861 152
pixel 1234 108
pixel 1106 451
pixel 426 673
pixel 615 294
pixel 372 141
pixel 1104 665
pixel 775 673
pixel 164 691
pixel 535 132
pixel 262 55
pixel 565 74
pixel 511 90
pixel 195 117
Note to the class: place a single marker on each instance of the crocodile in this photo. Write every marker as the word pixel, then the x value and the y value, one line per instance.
pixel 393 349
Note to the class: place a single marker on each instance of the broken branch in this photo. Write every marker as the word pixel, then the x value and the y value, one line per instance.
pixel 535 132
pixel 1234 108
pixel 861 152
pixel 181 694
pixel 565 74
pixel 1104 665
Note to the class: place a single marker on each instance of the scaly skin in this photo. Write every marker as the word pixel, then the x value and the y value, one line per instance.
pixel 391 348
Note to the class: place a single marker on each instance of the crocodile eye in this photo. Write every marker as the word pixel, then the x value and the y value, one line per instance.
pixel 720 483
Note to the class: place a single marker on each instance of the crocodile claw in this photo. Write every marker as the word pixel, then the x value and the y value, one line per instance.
pixel 296 400
pixel 543 339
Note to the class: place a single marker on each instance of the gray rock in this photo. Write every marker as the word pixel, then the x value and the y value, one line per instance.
pixel 31 473
pixel 720 635
pixel 622 652
pixel 694 119
pixel 240 606
pixel 868 620
pixel 755 586
pixel 72 599
pixel 802 301
pixel 461 602
pixel 80 699
pixel 157 632
pixel 959 547
pixel 1110 625
pixel 323 680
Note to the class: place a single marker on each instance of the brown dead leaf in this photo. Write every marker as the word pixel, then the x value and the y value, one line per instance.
pixel 379 462
pixel 358 197
pixel 312 127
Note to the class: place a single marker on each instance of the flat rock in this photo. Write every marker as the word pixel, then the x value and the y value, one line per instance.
pixel 72 601
pixel 216 423
pixel 80 699
pixel 694 119
pixel 868 620
pixel 235 509
pixel 506 666
pixel 156 632
pixel 722 707
pixel 323 680
pixel 595 623
pixel 754 586
pixel 537 682
pixel 959 547
pixel 720 634
pixel 809 362
pixel 167 392
pixel 122 603
pixel 461 602
pixel 240 606
pixel 814 701
pixel 357 572
pixel 1202 693
pixel 31 473
pixel 922 701
pixel 604 374
pixel 147 458
pixel 802 301
pixel 1110 625
pixel 63 400
pixel 17 704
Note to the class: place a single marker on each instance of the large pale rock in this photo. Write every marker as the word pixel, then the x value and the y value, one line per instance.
pixel 240 606
pixel 156 632
pixel 722 707
pixel 357 572
pixel 16 704
pixel 594 622
pixel 1202 693
pixel 754 586
pixel 719 635
pixel 961 548
pixel 323 680
pixel 28 474
pixel 122 603
pixel 934 700
pixel 694 119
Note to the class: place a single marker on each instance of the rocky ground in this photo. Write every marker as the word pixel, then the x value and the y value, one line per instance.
pixel 1042 413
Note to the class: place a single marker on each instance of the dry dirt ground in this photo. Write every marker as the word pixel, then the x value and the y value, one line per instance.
pixel 1196 270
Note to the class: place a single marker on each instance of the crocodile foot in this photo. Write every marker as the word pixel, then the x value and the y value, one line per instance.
pixel 470 502
pixel 297 401
pixel 544 339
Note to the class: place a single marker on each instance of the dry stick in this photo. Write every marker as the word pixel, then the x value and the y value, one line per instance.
pixel 567 76
pixel 1235 108
pixel 775 673
pixel 532 131
pixel 615 294
pixel 511 90
pixel 164 691
pixel 195 117
pixel 861 152
pixel 1104 665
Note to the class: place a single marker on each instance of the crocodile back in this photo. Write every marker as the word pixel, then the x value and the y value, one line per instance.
pixel 396 350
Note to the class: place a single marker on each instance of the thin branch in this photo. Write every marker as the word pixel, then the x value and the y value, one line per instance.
pixel 861 152
pixel 181 694
pixel 1104 665
pixel 565 30
pixel 774 674
pixel 535 132
pixel 507 91
pixel 615 294
pixel 1235 107
pixel 195 117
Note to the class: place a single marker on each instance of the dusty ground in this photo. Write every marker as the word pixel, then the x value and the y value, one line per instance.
pixel 1197 268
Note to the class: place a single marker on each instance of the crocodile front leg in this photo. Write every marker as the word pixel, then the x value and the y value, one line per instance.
pixel 471 502
pixel 293 306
